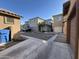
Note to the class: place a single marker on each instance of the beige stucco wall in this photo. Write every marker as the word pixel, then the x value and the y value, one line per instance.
pixel 65 18
pixel 34 23
pixel 57 23
pixel 40 21
pixel 57 26
pixel 73 27
pixel 57 29
pixel 73 32
pixel 78 48
pixel 65 28
pixel 14 27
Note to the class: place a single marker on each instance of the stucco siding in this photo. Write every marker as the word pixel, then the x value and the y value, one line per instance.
pixel 14 27
pixel 57 29
pixel 65 28
pixel 1 19
pixel 73 33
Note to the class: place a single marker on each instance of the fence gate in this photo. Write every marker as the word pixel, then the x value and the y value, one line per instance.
pixel 4 36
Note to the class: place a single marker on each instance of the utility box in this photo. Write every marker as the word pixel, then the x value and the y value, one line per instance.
pixel 4 36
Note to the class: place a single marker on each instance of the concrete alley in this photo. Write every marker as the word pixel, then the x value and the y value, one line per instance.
pixel 34 48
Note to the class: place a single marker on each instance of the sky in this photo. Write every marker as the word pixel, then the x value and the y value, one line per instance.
pixel 33 8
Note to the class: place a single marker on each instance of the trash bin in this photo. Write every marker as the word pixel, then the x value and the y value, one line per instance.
pixel 4 36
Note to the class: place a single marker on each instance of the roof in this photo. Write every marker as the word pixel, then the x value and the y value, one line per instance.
pixel 35 18
pixel 9 13
pixel 66 4
pixel 57 15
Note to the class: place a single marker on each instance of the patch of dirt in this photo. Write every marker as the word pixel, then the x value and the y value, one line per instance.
pixel 39 35
pixel 61 38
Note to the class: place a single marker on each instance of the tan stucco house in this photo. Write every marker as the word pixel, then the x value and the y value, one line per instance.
pixel 9 20
pixel 34 22
pixel 57 23
pixel 46 26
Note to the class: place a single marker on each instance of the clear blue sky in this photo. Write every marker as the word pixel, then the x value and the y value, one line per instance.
pixel 33 8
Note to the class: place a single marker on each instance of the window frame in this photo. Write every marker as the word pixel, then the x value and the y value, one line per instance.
pixel 7 18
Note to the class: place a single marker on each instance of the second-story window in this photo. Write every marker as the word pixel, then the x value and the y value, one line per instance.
pixel 9 20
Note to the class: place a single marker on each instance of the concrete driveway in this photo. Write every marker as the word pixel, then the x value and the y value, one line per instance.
pixel 17 51
pixel 34 48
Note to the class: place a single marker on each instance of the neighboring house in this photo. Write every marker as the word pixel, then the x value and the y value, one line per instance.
pixel 71 25
pixel 57 23
pixel 27 26
pixel 39 24
pixel 33 23
pixel 9 20
pixel 46 26
pixel 24 27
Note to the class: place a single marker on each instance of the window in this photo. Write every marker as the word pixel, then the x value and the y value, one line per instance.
pixel 8 20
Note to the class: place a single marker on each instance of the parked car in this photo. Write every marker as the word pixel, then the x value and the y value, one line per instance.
pixel 27 30
pixel 23 30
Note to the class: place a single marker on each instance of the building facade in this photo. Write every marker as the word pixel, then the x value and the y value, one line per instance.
pixel 33 23
pixel 71 26
pixel 57 23
pixel 9 20
pixel 46 26
pixel 39 24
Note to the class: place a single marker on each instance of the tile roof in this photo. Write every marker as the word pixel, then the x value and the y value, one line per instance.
pixel 8 12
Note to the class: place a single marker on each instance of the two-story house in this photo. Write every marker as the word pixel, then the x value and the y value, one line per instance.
pixel 33 23
pixel 46 26
pixel 9 20
pixel 57 23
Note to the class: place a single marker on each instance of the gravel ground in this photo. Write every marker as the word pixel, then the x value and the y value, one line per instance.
pixel 61 38
pixel 39 35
